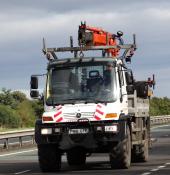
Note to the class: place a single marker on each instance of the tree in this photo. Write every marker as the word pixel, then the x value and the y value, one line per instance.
pixel 38 108
pixel 6 98
pixel 159 106
pixel 19 96
pixel 17 105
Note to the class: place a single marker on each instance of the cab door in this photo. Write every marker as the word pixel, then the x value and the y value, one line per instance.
pixel 123 91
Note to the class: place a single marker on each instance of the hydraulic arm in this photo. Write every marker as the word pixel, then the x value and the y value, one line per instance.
pixel 92 36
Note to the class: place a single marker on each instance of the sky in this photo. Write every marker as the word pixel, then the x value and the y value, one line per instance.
pixel 24 23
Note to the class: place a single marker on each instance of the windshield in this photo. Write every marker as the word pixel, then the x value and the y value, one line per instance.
pixel 81 83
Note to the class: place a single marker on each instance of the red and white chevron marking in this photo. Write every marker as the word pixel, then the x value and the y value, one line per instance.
pixel 99 112
pixel 58 117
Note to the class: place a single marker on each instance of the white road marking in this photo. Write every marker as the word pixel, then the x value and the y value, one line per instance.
pixel 156 169
pixel 20 152
pixel 161 167
pixel 22 172
pixel 168 163
pixel 153 170
pixel 146 173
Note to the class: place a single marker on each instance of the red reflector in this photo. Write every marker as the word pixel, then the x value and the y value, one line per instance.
pixel 47 118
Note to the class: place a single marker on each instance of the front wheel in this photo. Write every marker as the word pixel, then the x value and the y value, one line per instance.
pixel 49 158
pixel 120 156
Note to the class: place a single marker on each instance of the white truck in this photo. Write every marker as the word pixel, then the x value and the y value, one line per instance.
pixel 92 104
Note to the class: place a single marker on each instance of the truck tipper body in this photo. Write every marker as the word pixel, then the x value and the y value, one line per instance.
pixel 92 104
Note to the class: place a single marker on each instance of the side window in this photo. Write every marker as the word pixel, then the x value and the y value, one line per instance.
pixel 120 73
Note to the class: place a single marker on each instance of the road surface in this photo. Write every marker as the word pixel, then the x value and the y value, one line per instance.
pixel 25 162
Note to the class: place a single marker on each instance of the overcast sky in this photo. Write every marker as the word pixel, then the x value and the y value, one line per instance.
pixel 23 24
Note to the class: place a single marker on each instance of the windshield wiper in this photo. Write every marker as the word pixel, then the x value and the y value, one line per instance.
pixel 79 100
pixel 76 99
pixel 103 101
pixel 84 100
pixel 89 100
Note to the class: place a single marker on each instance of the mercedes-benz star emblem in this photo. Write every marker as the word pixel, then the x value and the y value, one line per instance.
pixel 78 115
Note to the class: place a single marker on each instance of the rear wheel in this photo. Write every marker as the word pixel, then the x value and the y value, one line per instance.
pixel 120 156
pixel 140 153
pixel 49 158
pixel 143 156
pixel 76 156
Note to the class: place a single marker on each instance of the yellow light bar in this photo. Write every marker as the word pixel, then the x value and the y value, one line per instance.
pixel 150 93
pixel 111 115
pixel 47 118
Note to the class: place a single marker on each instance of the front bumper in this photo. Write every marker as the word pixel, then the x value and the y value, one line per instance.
pixel 97 137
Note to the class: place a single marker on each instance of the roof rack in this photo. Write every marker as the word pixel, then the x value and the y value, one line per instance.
pixel 127 54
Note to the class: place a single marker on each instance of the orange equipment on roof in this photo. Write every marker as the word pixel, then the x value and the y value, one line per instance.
pixel 92 36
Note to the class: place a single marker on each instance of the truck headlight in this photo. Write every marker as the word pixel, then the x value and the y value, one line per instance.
pixel 57 130
pixel 111 128
pixel 46 131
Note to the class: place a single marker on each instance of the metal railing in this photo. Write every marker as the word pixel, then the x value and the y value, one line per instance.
pixel 14 139
pixel 22 138
pixel 159 120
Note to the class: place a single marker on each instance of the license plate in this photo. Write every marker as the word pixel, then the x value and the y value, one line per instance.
pixel 111 128
pixel 78 131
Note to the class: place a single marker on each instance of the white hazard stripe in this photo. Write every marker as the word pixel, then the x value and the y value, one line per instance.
pixel 99 112
pixel 58 117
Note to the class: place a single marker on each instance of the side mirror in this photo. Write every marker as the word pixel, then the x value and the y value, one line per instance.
pixel 129 78
pixel 34 94
pixel 34 82
pixel 130 89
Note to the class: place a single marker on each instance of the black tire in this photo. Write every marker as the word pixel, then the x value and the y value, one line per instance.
pixel 120 156
pixel 141 153
pixel 143 156
pixel 76 156
pixel 49 158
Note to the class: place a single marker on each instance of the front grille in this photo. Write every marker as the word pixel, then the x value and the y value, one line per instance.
pixel 69 115
pixel 83 115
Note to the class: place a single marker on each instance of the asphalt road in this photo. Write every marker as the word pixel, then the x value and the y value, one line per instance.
pixel 25 161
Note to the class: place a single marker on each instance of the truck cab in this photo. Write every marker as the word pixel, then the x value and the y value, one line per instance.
pixel 80 86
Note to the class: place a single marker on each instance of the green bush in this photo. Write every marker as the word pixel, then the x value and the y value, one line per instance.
pixel 18 111
pixel 8 117
pixel 26 114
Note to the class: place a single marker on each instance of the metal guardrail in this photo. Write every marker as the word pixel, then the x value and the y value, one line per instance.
pixel 159 120
pixel 16 138
pixel 21 135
